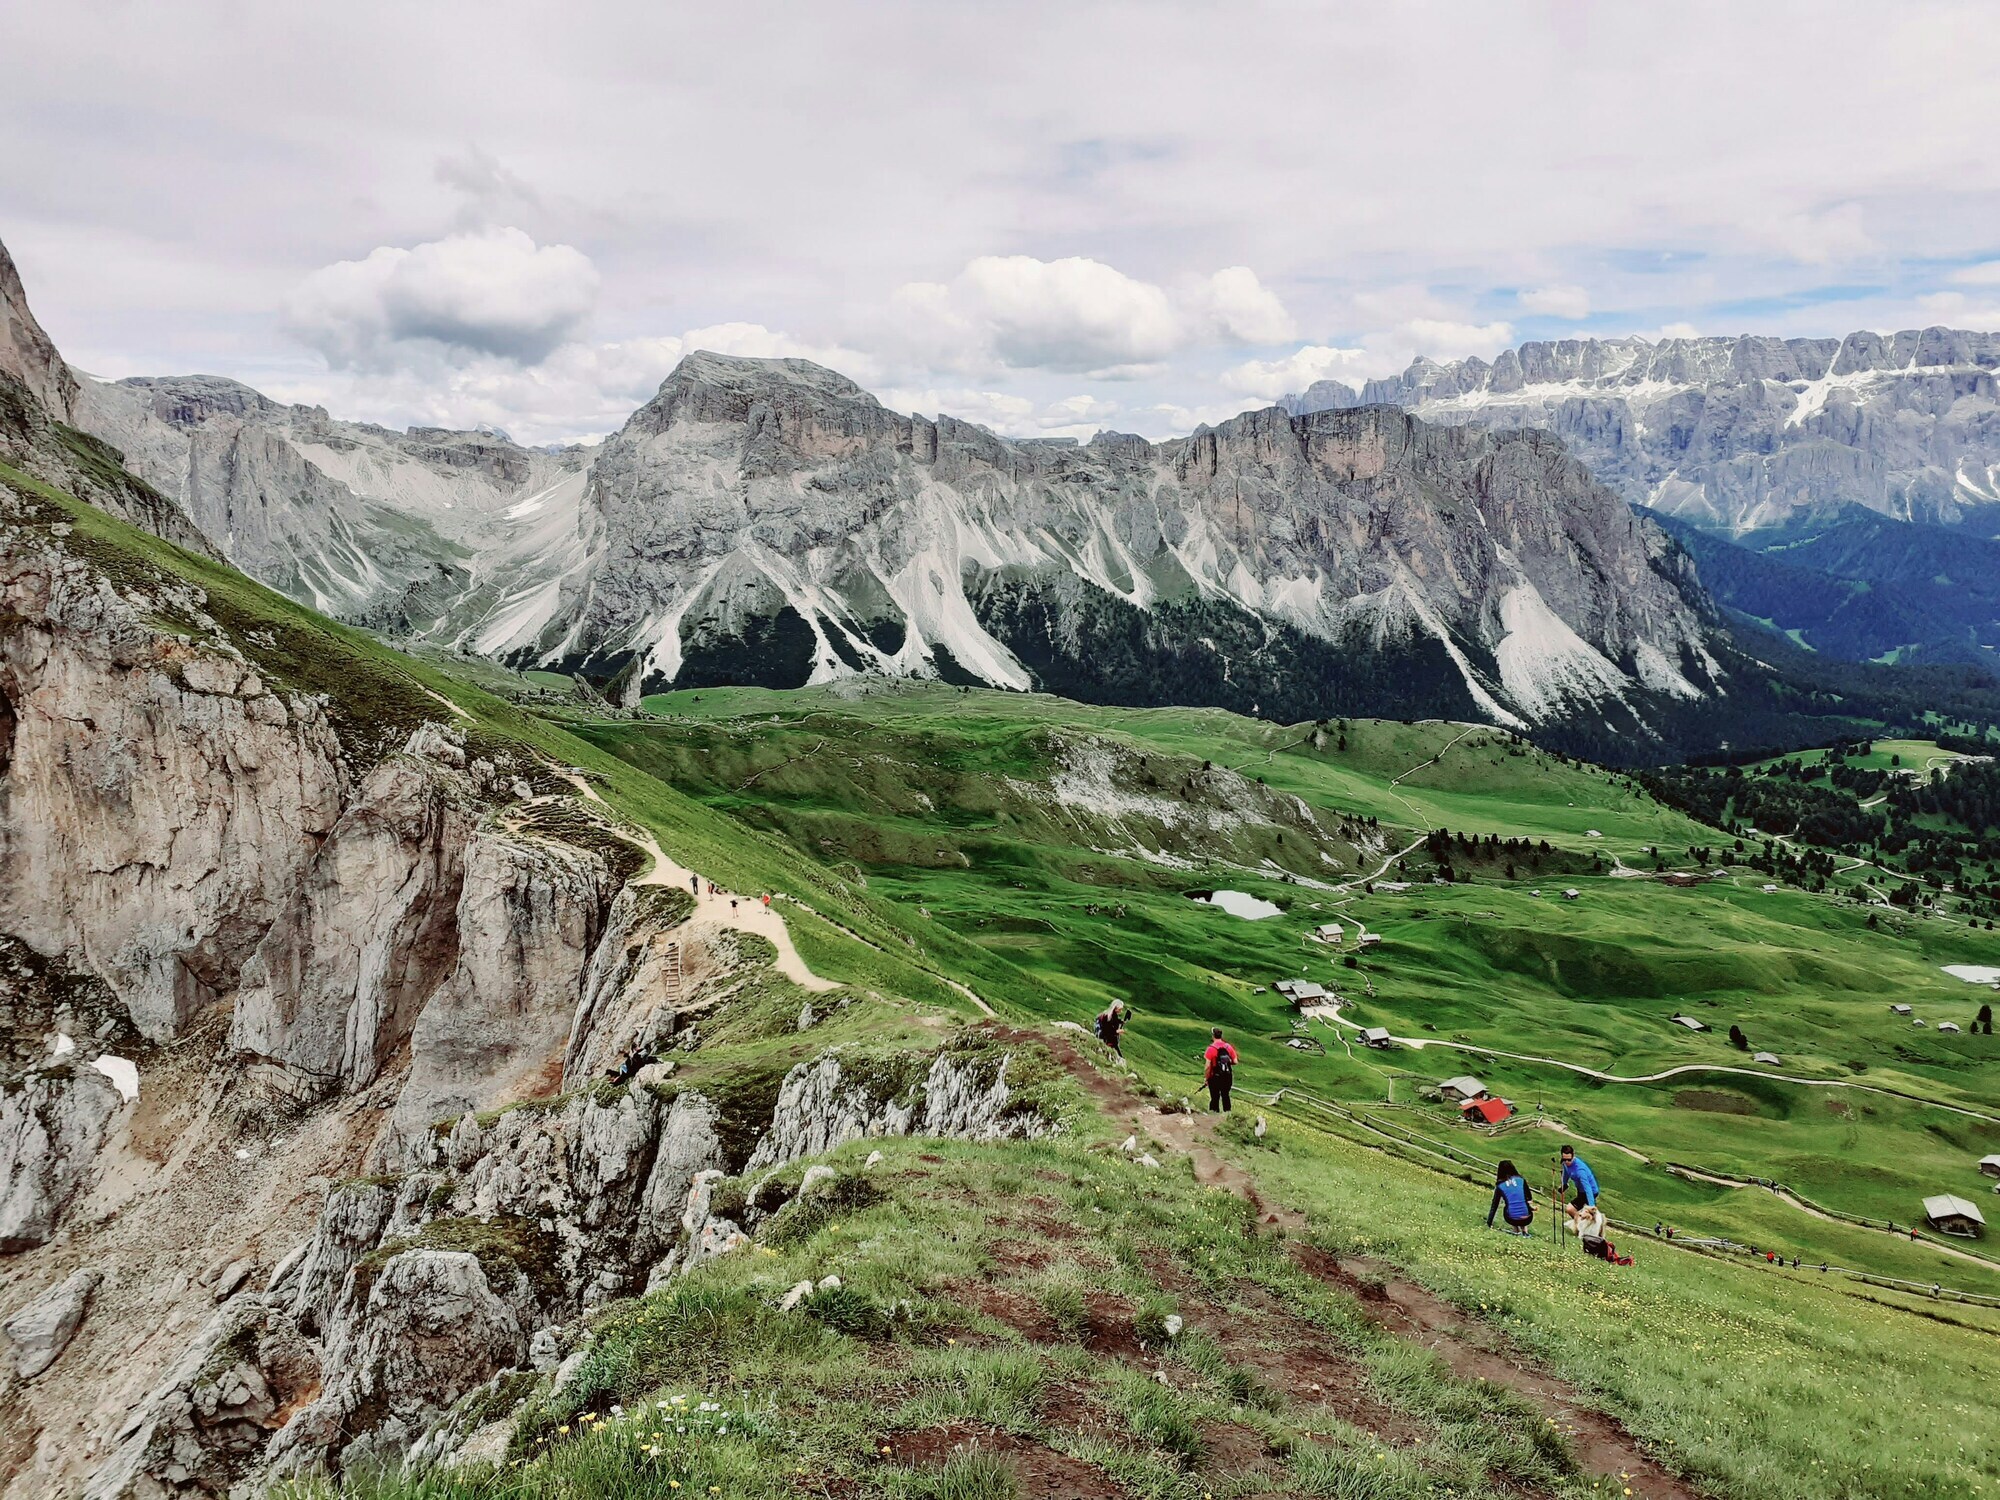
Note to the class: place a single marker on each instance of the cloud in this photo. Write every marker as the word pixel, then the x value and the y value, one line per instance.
pixel 1986 273
pixel 1079 416
pixel 1960 311
pixel 1076 316
pixel 487 292
pixel 1272 378
pixel 1444 339
pixel 1240 309
pixel 1556 301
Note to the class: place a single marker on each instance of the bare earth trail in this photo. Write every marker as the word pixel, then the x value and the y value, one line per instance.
pixel 1392 1302
pixel 713 908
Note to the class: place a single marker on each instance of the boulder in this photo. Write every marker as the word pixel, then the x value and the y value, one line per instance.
pixel 39 1332
pixel 53 1122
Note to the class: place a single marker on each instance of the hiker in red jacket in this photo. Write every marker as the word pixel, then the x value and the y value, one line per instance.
pixel 1220 1075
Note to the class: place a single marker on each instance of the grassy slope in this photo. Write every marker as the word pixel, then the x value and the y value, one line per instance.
pixel 1059 933
pixel 1817 1390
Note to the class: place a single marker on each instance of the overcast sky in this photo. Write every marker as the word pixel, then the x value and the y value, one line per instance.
pixel 1048 218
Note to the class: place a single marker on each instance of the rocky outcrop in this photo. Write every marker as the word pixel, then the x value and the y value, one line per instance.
pixel 53 1122
pixel 418 1288
pixel 39 1332
pixel 529 916
pixel 426 1327
pixel 27 354
pixel 841 1098
pixel 209 1421
pixel 158 799
pixel 338 981
pixel 1740 433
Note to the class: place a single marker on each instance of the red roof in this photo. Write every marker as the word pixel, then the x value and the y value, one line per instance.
pixel 1492 1111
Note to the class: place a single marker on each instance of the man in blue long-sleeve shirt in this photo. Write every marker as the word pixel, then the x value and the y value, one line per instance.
pixel 1577 1175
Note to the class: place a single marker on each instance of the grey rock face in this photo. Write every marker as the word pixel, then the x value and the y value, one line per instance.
pixel 828 1102
pixel 455 536
pixel 337 982
pixel 528 919
pixel 160 799
pixel 747 489
pixel 53 1122
pixel 210 1420
pixel 27 354
pixel 1740 433
pixel 427 1329
pixel 39 1332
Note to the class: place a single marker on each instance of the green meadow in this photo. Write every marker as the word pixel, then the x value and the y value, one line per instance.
pixel 1053 900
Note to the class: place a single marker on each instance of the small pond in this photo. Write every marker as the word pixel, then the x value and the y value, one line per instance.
pixel 1238 903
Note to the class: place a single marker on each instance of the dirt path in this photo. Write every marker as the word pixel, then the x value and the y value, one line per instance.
pixel 715 909
pixel 1472 1349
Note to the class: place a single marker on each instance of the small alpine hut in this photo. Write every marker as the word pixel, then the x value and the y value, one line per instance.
pixel 1990 1165
pixel 1947 1026
pixel 1950 1214
pixel 1901 1010
pixel 1375 1036
pixel 1329 932
pixel 1485 1111
pixel 1767 1057
pixel 1690 1022
pixel 1464 1087
pixel 1301 991
pixel 1571 894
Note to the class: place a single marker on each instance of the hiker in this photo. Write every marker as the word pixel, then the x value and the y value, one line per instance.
pixel 1109 1024
pixel 1220 1073
pixel 1590 1226
pixel 1576 1173
pixel 767 901
pixel 629 1066
pixel 694 886
pixel 1510 1191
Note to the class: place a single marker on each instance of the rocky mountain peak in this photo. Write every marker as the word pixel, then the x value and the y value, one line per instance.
pixel 27 354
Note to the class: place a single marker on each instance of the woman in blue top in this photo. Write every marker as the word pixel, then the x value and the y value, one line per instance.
pixel 1510 1192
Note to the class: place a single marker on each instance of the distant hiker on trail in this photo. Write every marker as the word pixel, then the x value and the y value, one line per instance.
pixel 1110 1024
pixel 694 886
pixel 1578 1176
pixel 1220 1074
pixel 1510 1192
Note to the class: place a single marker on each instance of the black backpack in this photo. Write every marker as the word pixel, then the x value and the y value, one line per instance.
pixel 1225 1067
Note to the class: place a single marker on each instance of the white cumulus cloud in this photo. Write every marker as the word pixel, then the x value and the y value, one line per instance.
pixel 1556 301
pixel 484 292
pixel 1076 316
pixel 1272 378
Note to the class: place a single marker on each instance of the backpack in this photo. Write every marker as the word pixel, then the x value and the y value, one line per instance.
pixel 1225 1066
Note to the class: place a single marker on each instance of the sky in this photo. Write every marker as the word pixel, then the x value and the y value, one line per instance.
pixel 1048 218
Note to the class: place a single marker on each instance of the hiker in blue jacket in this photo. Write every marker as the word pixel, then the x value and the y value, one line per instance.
pixel 1577 1176
pixel 1510 1192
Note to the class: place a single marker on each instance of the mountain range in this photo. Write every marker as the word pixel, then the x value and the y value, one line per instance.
pixel 769 522
pixel 1739 434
